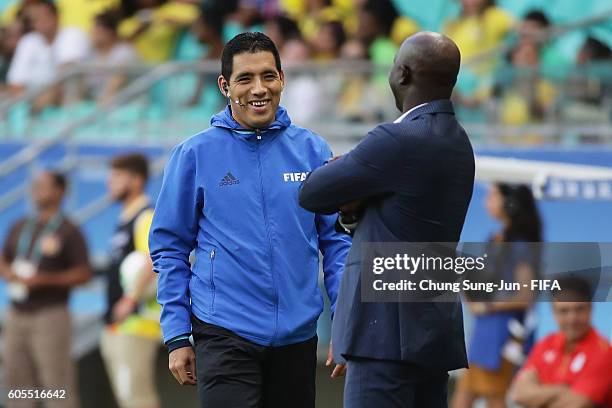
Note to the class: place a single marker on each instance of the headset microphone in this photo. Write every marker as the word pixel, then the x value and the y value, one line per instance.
pixel 236 101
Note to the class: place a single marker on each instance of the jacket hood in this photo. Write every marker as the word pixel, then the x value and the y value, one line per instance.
pixel 224 119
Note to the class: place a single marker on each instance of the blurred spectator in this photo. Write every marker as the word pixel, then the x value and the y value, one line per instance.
pixel 208 31
pixel 82 13
pixel 524 95
pixel 593 50
pixel 495 348
pixel 375 20
pixel 534 27
pixel 108 50
pixel 310 14
pixel 570 368
pixel 589 89
pixel 16 9
pixel 328 41
pixel 153 26
pixel 302 94
pixel 361 99
pixel 132 337
pixel 44 257
pixel 40 55
pixel 9 38
pixel 252 12
pixel 481 27
pixel 403 27
pixel 281 29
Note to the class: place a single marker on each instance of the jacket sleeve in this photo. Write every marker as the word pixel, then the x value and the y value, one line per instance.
pixel 334 246
pixel 173 237
pixel 362 173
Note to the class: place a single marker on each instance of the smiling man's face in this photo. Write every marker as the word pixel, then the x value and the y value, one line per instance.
pixel 257 84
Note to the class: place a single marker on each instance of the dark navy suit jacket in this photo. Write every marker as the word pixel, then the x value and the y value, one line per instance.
pixel 418 176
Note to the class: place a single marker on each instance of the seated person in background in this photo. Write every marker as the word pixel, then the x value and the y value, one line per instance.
pixel 154 27
pixel 208 31
pixel 109 50
pixel 524 95
pixel 82 13
pixel 304 95
pixel 328 41
pixel 9 38
pixel 15 9
pixel 43 53
pixel 481 27
pixel 570 368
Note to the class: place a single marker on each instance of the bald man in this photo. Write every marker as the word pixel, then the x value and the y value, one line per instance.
pixel 407 181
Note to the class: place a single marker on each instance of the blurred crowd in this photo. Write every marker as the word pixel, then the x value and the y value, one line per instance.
pixel 512 66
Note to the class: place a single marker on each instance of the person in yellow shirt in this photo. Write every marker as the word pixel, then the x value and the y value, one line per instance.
pixel 526 97
pixel 155 27
pixel 132 337
pixel 481 27
pixel 73 13
pixel 310 14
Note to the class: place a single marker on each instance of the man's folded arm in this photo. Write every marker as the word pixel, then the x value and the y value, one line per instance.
pixel 362 173
pixel 173 236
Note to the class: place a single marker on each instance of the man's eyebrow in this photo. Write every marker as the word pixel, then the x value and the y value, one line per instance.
pixel 244 74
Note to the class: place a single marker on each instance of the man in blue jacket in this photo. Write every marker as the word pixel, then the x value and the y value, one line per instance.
pixel 414 180
pixel 251 299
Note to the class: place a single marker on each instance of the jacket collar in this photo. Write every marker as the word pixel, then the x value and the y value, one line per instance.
pixel 224 119
pixel 437 106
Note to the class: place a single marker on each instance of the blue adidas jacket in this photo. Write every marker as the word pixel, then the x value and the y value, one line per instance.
pixel 232 196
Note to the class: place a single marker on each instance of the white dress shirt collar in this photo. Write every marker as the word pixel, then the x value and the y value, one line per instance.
pixel 398 120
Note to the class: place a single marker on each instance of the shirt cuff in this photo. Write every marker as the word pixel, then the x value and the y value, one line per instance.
pixel 178 342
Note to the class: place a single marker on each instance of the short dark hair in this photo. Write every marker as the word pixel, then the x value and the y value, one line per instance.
pixel 250 42
pixel 108 20
pixel 538 16
pixel 573 289
pixel 597 50
pixel 384 11
pixel 59 179
pixel 134 163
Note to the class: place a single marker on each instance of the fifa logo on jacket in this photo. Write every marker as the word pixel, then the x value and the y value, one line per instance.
pixel 297 176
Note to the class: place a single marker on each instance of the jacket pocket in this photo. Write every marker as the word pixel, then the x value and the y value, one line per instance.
pixel 211 277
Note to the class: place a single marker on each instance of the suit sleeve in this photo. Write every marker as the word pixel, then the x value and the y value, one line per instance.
pixel 334 246
pixel 364 172
pixel 172 238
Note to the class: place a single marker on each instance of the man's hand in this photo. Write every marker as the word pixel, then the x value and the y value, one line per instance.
pixel 123 308
pixel 181 363
pixel 339 369
pixel 570 399
pixel 33 282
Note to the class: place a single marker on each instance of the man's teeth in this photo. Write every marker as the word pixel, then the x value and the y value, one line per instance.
pixel 258 103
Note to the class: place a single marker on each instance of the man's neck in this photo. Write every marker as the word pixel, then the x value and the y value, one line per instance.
pixel 107 48
pixel 45 214
pixel 570 345
pixel 131 199
pixel 51 37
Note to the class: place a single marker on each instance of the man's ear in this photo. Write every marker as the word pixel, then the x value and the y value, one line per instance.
pixel 281 75
pixel 223 85
pixel 406 73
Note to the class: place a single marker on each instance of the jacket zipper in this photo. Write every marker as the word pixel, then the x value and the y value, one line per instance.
pixel 265 213
pixel 213 252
